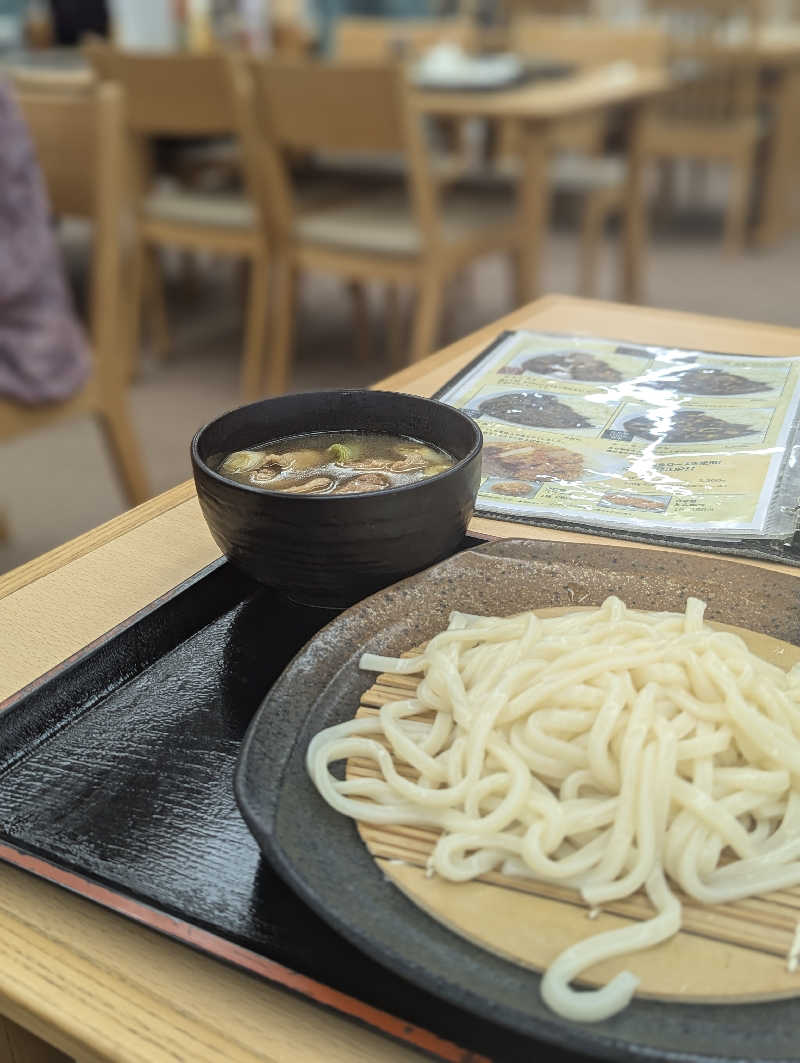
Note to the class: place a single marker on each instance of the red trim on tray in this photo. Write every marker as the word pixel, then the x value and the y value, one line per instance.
pixel 234 954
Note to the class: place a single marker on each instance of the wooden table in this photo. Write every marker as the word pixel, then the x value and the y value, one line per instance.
pixel 100 987
pixel 541 106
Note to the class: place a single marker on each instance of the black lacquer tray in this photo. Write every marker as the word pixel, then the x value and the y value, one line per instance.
pixel 116 782
pixel 321 855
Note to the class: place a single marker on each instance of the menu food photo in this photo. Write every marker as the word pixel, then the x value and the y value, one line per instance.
pixel 665 440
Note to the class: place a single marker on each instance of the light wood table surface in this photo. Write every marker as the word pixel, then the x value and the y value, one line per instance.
pixel 88 981
pixel 538 108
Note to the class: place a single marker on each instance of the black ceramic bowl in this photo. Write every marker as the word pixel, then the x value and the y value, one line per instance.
pixel 336 549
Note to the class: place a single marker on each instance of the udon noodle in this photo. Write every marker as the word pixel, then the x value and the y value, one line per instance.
pixel 606 750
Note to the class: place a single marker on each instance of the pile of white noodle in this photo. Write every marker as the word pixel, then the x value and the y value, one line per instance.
pixel 606 750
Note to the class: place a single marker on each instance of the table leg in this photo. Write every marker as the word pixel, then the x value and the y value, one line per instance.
pixel 534 198
pixel 633 238
pixel 781 161
pixel 17 1045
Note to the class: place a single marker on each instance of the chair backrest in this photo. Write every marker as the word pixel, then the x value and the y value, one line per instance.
pixel 168 94
pixel 714 43
pixel 375 40
pixel 62 121
pixel 77 132
pixel 288 107
pixel 590 43
pixel 332 106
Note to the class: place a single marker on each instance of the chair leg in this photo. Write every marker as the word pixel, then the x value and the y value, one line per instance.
pixel 596 209
pixel 156 303
pixel 736 217
pixel 281 348
pixel 116 425
pixel 360 307
pixel 255 329
pixel 427 315
pixel 5 531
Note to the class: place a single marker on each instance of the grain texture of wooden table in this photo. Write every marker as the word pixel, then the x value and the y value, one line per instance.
pixel 101 988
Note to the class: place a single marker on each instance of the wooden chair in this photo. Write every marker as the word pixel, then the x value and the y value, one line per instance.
pixel 77 132
pixel 715 116
pixel 390 40
pixel 186 96
pixel 580 165
pixel 415 235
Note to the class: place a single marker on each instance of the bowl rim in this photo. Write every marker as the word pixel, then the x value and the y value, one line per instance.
pixel 260 492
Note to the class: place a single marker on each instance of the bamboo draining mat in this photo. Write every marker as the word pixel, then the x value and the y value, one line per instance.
pixel 724 953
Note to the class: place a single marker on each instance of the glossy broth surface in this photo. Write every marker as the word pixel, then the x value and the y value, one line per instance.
pixel 333 463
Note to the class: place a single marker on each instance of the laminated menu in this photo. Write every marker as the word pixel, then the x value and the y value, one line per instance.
pixel 594 431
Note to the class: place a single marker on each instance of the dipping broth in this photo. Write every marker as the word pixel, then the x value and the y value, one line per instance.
pixel 333 463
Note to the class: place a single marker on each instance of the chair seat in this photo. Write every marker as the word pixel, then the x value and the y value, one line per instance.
pixel 385 223
pixel 229 210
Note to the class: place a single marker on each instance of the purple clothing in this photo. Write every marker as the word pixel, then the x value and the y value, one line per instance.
pixel 43 351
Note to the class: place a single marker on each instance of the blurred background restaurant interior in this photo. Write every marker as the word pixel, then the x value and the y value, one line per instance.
pixel 236 217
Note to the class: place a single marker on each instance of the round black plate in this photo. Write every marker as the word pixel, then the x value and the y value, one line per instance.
pixel 320 855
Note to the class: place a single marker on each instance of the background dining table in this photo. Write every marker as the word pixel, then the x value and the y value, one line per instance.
pixel 97 986
pixel 539 108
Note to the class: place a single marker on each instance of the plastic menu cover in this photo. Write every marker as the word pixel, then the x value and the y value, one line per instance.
pixel 657 439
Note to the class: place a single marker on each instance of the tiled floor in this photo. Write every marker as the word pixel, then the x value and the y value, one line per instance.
pixel 57 484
